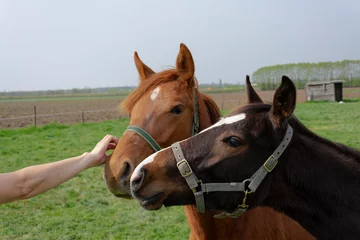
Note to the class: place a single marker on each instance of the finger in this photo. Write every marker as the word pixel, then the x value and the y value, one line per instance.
pixel 105 141
pixel 108 157
pixel 114 139
pixel 101 142
pixel 109 138
pixel 105 137
pixel 103 159
pixel 111 146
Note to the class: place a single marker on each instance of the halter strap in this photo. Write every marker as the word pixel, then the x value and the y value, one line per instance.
pixel 152 142
pixel 147 137
pixel 200 188
pixel 195 127
pixel 271 162
pixel 187 173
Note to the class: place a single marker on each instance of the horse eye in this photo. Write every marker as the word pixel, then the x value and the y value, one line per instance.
pixel 232 141
pixel 177 109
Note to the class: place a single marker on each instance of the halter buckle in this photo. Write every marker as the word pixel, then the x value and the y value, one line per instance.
pixel 184 168
pixel 270 163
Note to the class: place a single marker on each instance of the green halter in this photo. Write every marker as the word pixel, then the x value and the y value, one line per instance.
pixel 152 142
pixel 147 137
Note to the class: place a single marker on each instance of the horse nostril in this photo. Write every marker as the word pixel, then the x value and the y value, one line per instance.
pixel 126 172
pixel 137 180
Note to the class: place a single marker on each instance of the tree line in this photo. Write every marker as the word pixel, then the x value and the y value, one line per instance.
pixel 268 78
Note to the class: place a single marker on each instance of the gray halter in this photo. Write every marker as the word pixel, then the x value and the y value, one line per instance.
pixel 200 188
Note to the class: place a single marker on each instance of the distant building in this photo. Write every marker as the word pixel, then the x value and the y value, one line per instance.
pixel 221 83
pixel 326 90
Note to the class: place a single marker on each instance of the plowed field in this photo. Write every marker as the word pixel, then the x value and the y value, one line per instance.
pixel 14 114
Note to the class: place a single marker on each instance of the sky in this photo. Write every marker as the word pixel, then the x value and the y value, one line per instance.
pixel 75 44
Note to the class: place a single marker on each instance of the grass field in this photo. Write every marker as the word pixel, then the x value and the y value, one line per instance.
pixel 82 208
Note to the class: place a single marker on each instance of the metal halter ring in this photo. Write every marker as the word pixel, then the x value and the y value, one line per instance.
pixel 247 190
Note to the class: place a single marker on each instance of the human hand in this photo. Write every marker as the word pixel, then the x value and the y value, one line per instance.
pixel 98 155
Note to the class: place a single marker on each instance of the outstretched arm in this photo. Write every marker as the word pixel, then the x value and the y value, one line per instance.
pixel 31 181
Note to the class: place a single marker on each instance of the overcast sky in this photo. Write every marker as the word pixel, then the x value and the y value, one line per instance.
pixel 74 44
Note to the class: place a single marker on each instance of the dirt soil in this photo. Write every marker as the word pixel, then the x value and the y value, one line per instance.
pixel 21 114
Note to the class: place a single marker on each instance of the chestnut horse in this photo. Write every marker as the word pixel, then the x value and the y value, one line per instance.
pixel 271 159
pixel 163 106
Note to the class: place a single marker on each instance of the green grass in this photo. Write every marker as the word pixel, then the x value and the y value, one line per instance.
pixel 82 208
pixel 238 88
pixel 338 122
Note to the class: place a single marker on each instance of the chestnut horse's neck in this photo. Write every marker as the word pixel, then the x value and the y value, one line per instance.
pixel 209 112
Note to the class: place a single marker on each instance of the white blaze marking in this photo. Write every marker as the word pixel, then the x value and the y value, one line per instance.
pixel 155 93
pixel 228 120
pixel 147 160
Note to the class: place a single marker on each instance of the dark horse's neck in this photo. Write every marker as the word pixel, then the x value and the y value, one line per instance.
pixel 317 183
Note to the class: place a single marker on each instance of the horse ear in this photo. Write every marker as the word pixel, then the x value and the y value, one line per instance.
pixel 185 65
pixel 253 97
pixel 143 70
pixel 284 102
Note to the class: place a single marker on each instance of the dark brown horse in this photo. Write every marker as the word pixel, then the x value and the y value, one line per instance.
pixel 163 105
pixel 285 166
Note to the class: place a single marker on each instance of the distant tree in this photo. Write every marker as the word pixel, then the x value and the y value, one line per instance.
pixel 301 73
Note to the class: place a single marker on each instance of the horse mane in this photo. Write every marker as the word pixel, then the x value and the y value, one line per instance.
pixel 341 148
pixel 152 82
pixel 212 108
pixel 302 129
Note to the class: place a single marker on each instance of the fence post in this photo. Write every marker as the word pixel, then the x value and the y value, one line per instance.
pixel 35 116
pixel 82 116
pixel 222 101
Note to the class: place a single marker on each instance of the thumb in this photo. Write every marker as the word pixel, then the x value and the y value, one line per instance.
pixel 107 158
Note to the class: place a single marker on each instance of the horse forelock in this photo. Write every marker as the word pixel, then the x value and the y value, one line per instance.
pixel 147 85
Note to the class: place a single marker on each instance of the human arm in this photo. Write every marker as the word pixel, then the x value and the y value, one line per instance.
pixel 31 181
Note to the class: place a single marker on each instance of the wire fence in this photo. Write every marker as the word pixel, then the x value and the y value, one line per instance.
pixel 83 116
pixel 23 114
pixel 36 116
pixel 61 117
